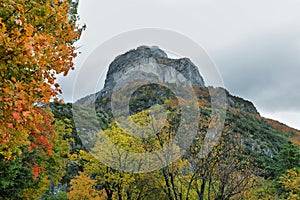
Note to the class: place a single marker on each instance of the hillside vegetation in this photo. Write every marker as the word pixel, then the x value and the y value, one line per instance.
pixel 254 159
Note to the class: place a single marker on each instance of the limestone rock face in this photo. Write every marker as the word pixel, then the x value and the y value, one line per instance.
pixel 149 64
pixel 152 64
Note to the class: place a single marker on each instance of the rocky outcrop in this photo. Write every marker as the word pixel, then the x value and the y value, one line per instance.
pixel 242 104
pixel 142 59
pixel 151 63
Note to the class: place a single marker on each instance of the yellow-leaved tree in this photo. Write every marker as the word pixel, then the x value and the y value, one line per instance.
pixel 83 189
pixel 291 183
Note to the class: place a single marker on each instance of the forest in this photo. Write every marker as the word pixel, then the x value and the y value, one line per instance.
pixel 42 155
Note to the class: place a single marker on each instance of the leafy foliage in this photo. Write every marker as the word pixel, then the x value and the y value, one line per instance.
pixel 36 44
pixel 82 189
pixel 252 160
pixel 290 182
pixel 220 175
pixel 35 167
pixel 241 166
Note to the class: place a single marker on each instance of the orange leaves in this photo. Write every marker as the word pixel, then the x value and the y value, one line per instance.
pixel 42 142
pixel 6 90
pixel 36 44
pixel 51 81
pixel 26 113
pixel 42 136
pixel 5 138
pixel 16 116
pixel 2 26
pixel 13 79
pixel 36 170
pixel 29 29
pixel 293 134
pixel 20 8
pixel 56 85
pixel 29 58
pixel 29 47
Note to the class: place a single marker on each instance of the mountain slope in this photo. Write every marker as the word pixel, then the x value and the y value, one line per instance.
pixel 263 136
pixel 250 145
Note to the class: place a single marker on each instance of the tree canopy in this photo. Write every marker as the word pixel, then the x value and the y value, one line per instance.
pixel 36 44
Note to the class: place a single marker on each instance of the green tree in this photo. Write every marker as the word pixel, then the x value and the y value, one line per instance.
pixel 287 158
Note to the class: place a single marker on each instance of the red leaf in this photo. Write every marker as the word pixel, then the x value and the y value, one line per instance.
pixel 26 113
pixel 29 47
pixel 16 115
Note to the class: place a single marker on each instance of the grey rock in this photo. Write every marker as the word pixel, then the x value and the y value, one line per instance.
pixel 153 64
pixel 158 63
pixel 150 64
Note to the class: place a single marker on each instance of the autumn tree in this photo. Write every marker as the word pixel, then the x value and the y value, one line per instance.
pixel 83 189
pixel 36 44
pixel 224 172
pixel 28 176
pixel 291 183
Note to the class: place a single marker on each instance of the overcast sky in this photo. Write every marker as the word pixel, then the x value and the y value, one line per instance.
pixel 255 44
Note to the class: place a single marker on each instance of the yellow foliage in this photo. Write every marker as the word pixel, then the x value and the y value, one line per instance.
pixel 33 193
pixel 82 189
pixel 291 182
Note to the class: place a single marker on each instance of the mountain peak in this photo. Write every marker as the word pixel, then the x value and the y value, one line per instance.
pixel 160 63
pixel 134 55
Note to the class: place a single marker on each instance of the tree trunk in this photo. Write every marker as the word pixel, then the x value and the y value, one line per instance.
pixel 202 188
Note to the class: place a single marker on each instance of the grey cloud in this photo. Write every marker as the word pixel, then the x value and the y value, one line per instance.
pixel 265 70
pixel 258 60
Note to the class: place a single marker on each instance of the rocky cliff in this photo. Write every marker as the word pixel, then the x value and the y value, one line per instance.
pixel 144 57
pixel 261 138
